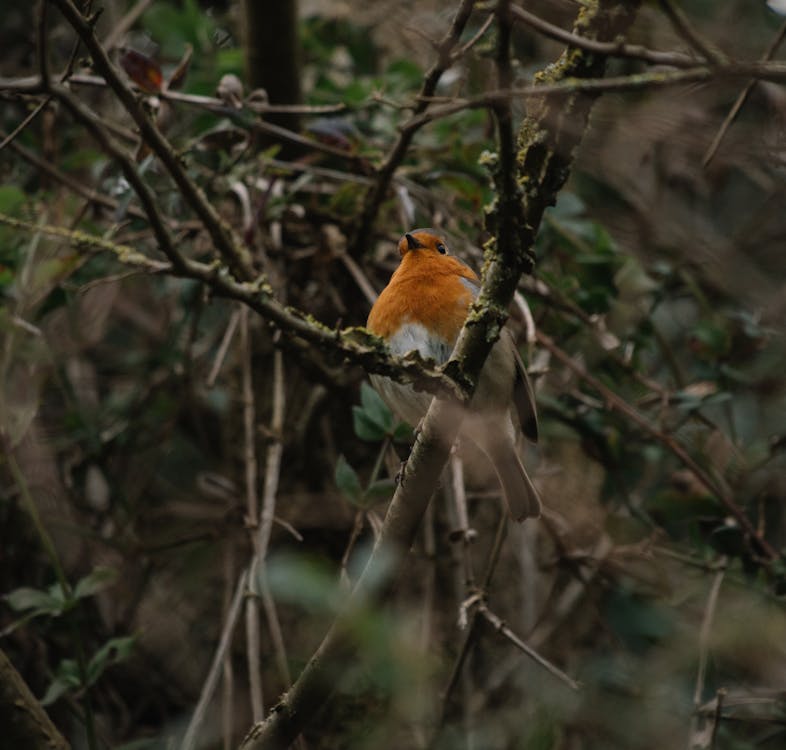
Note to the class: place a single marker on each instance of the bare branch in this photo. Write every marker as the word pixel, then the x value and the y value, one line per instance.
pixel 376 194
pixel 742 98
pixel 684 28
pixel 500 626
pixel 209 686
pixel 612 49
pixel 441 424
pixel 226 243
pixel 714 486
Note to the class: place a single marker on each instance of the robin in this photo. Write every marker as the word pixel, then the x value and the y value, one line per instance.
pixel 423 308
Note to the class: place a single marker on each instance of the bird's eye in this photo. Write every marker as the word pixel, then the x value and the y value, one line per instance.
pixel 442 249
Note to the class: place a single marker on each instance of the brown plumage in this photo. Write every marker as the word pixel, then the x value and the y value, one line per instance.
pixel 423 308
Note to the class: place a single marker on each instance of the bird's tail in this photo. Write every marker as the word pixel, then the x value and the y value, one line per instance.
pixel 520 494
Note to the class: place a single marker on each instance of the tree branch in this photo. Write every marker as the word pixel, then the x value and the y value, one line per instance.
pixel 376 194
pixel 224 239
pixel 24 721
pixel 543 177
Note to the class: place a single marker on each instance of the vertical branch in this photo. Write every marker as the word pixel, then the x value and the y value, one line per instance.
pixel 272 473
pixel 227 673
pixel 209 687
pixel 697 733
pixel 42 49
pixel 253 654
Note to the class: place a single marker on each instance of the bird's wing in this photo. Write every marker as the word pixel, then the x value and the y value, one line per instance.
pixel 523 395
pixel 524 400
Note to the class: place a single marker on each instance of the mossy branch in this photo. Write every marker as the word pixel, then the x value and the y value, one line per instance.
pixel 542 169
pixel 354 345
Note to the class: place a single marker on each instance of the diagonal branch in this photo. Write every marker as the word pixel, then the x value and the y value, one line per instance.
pixel 224 239
pixel 376 194
pixel 543 164
pixel 355 345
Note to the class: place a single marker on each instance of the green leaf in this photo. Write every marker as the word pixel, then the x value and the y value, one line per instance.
pixel 402 433
pixel 112 652
pixel 382 489
pixel 347 481
pixel 372 421
pixel 67 678
pixel 94 582
pixel 43 602
pixel 375 407
pixel 11 199
pixel 365 427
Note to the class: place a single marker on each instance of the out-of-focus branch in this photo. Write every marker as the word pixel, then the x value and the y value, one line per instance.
pixel 540 138
pixel 769 71
pixel 714 486
pixel 376 194
pixel 52 171
pixel 209 686
pixel 742 98
pixel 684 28
pixel 697 740
pixel 24 721
pixel 612 49
pixel 224 239
pixel 253 660
pixel 499 625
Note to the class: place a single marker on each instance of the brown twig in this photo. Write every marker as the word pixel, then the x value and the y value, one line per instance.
pixel 275 452
pixel 253 653
pixel 698 733
pixel 25 723
pixel 376 194
pixel 52 171
pixel 499 625
pixel 209 686
pixel 715 487
pixel 685 29
pixel 224 240
pixel 612 49
pixel 741 99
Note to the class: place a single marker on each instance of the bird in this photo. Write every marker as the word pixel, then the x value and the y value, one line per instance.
pixel 423 309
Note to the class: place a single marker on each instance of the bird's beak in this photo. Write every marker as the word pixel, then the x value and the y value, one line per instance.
pixel 412 242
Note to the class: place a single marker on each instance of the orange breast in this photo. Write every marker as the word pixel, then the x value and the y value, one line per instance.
pixel 426 289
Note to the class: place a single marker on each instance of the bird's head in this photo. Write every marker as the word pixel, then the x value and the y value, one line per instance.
pixel 423 241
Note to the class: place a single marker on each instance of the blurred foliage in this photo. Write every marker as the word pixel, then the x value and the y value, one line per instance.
pixel 125 413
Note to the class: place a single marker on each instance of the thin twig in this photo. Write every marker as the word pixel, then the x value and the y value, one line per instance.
pixel 685 29
pixel 716 487
pixel 52 171
pixel 376 194
pixel 697 733
pixel 122 27
pixel 253 653
pixel 472 626
pixel 223 348
pixel 227 671
pixel 612 49
pixel 499 625
pixel 741 99
pixel 216 667
pixel 275 452
pixel 25 122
